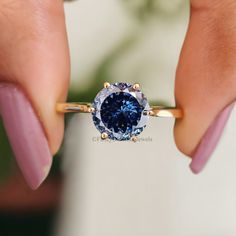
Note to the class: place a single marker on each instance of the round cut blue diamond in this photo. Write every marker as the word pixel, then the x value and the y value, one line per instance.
pixel 120 111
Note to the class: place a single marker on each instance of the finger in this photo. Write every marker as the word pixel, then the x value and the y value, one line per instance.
pixel 34 56
pixel 205 80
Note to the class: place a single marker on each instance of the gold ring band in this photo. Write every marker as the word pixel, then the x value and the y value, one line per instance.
pixel 120 111
pixel 81 107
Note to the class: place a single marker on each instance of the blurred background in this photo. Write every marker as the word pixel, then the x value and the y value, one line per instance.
pixel 110 188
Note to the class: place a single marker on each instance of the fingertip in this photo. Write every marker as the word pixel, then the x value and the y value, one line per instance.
pixel 25 133
pixel 195 169
pixel 57 133
pixel 181 139
pixel 52 121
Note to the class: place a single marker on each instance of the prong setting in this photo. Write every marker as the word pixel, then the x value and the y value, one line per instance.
pixel 104 136
pixel 136 86
pixel 106 85
pixel 91 109
pixel 119 111
pixel 148 113
pixel 134 139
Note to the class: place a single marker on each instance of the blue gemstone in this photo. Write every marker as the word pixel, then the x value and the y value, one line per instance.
pixel 119 111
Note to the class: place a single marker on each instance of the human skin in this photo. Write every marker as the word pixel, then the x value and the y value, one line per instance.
pixel 205 78
pixel 34 56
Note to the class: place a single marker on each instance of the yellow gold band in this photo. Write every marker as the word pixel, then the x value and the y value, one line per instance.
pixel 76 107
pixel 159 111
pixel 156 111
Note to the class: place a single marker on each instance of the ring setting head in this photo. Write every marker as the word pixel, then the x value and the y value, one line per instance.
pixel 120 111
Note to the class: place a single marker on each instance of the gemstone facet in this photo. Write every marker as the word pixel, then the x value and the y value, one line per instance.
pixel 120 111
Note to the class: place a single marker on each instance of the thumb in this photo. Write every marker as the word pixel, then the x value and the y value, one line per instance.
pixel 206 79
pixel 34 65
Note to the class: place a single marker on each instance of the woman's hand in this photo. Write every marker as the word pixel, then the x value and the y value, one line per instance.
pixel 34 75
pixel 206 78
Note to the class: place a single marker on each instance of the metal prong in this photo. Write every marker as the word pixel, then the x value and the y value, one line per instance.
pixel 136 86
pixel 134 139
pixel 148 113
pixel 106 85
pixel 104 136
pixel 91 109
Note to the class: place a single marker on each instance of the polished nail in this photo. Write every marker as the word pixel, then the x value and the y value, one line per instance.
pixel 210 140
pixel 25 134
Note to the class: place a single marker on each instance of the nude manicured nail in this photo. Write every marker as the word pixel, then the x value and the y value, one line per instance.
pixel 25 134
pixel 209 141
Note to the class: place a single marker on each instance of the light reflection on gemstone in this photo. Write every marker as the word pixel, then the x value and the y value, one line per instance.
pixel 119 111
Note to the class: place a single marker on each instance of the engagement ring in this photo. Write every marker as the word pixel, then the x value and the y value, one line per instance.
pixel 120 111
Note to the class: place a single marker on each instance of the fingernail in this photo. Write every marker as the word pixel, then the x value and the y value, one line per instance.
pixel 25 134
pixel 210 140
